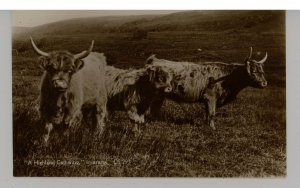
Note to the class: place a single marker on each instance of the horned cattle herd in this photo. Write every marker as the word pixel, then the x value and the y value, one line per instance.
pixel 75 86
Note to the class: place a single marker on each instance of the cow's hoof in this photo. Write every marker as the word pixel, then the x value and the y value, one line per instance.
pixel 99 132
pixel 137 130
pixel 45 140
pixel 212 127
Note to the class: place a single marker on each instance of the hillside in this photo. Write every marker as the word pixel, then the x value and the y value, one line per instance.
pixel 215 21
pixel 19 30
pixel 258 21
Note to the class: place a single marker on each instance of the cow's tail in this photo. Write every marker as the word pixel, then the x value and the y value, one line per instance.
pixel 150 59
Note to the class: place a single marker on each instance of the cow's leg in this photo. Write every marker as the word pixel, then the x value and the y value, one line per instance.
pixel 211 102
pixel 100 117
pixel 211 112
pixel 67 119
pixel 142 118
pixel 48 130
pixel 136 118
pixel 156 106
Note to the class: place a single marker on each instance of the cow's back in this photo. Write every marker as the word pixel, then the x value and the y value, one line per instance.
pixel 191 79
pixel 93 77
pixel 111 75
pixel 117 80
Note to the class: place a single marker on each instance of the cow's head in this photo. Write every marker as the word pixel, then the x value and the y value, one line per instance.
pixel 60 65
pixel 161 79
pixel 255 71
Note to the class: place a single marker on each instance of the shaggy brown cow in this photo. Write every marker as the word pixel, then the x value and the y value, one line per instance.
pixel 214 83
pixel 70 81
pixel 134 90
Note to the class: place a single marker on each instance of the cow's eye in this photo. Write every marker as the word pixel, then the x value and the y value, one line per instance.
pixel 67 71
pixel 162 79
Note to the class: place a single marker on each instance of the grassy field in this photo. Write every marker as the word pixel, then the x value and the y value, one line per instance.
pixel 250 140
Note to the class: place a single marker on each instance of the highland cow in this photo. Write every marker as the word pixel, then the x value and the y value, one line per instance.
pixel 69 82
pixel 214 83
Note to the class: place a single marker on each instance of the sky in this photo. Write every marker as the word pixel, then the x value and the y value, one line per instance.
pixel 31 18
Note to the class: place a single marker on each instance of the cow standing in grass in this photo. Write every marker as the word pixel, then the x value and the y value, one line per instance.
pixel 69 82
pixel 134 90
pixel 214 83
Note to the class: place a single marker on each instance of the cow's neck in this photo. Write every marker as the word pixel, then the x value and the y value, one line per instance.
pixel 58 100
pixel 233 84
pixel 146 93
pixel 144 86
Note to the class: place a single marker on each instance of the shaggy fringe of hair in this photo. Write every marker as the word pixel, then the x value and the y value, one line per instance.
pixel 191 76
pixel 121 81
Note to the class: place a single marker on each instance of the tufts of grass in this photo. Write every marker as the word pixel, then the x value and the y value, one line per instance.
pixel 250 140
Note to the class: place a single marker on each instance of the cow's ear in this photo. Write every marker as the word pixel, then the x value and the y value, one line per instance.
pixel 78 64
pixel 152 72
pixel 44 62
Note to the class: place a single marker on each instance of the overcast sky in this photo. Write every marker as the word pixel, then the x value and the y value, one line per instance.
pixel 33 17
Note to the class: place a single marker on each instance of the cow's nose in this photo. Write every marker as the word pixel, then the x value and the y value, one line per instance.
pixel 264 84
pixel 168 89
pixel 60 84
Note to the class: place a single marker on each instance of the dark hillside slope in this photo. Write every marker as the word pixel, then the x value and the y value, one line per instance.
pixel 210 21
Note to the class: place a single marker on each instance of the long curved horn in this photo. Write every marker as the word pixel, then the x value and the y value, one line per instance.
pixel 38 51
pixel 85 53
pixel 250 54
pixel 264 59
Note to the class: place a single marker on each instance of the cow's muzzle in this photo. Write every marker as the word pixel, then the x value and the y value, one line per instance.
pixel 168 89
pixel 60 85
pixel 263 84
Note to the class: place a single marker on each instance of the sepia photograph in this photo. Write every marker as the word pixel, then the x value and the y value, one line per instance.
pixel 149 93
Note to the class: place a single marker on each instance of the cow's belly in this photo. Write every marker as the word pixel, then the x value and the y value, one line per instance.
pixel 180 98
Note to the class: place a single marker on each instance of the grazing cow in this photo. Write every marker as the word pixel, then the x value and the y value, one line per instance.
pixel 134 90
pixel 214 83
pixel 69 82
